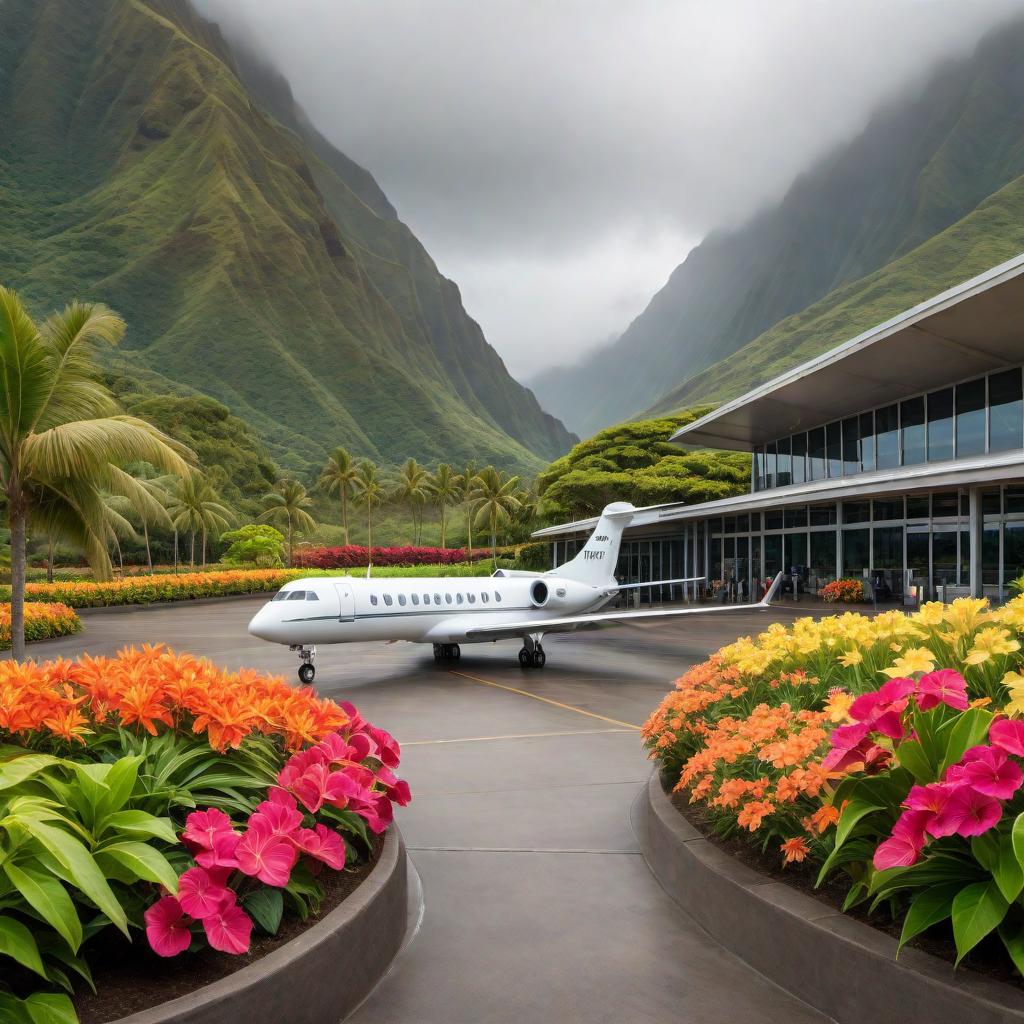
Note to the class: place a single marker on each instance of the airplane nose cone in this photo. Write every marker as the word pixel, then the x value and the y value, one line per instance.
pixel 260 625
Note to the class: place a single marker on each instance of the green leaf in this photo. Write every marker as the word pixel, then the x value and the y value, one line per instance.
pixel 139 823
pixel 139 861
pixel 968 730
pixel 929 907
pixel 49 899
pixel 977 909
pixel 121 780
pixel 16 942
pixel 910 754
pixel 1017 837
pixel 265 906
pixel 13 773
pixel 13 1011
pixel 855 810
pixel 81 868
pixel 50 1008
pixel 985 849
pixel 1007 870
pixel 1013 940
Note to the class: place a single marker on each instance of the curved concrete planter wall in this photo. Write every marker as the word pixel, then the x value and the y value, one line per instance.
pixel 840 966
pixel 319 977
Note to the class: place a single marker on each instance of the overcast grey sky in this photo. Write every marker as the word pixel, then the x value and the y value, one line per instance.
pixel 558 158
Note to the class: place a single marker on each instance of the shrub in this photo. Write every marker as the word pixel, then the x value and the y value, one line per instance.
pixel 103 764
pixel 255 544
pixel 43 621
pixel 354 556
pixel 911 787
pixel 846 590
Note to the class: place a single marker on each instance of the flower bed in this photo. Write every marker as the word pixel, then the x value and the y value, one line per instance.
pixel 846 591
pixel 354 556
pixel 43 621
pixel 189 804
pixel 886 750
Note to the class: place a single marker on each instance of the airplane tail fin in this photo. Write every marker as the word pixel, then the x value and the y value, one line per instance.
pixel 594 564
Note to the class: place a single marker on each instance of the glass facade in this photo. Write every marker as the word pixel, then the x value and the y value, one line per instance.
pixel 974 417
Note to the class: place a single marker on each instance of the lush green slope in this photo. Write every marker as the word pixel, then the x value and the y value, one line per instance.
pixel 136 169
pixel 635 462
pixel 920 166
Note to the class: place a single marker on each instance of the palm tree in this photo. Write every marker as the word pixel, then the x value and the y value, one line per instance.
pixel 494 500
pixel 340 475
pixel 466 485
pixel 195 507
pixel 370 493
pixel 413 490
pixel 149 495
pixel 444 488
pixel 61 435
pixel 287 505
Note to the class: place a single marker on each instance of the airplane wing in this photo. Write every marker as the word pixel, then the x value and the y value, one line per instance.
pixel 599 620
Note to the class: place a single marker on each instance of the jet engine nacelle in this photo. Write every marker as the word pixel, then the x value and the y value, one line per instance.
pixel 556 593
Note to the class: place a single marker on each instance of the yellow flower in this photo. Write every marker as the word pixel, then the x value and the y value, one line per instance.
pixel 931 614
pixel 966 614
pixel 988 643
pixel 1014 682
pixel 851 658
pixel 917 659
pixel 838 705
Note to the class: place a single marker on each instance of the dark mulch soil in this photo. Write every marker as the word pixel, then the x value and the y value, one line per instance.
pixel 130 977
pixel 988 958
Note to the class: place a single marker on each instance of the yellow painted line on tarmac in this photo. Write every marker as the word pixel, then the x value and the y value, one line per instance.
pixel 545 700
pixel 513 736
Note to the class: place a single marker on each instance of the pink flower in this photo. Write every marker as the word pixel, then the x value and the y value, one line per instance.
pixel 904 846
pixel 203 827
pixel 222 855
pixel 931 798
pixel 229 927
pixel 375 809
pixel 942 687
pixel 989 771
pixel 361 745
pixel 319 785
pixel 199 894
pixel 324 844
pixel 299 764
pixel 167 928
pixel 264 855
pixel 280 814
pixel 388 750
pixel 968 812
pixel 1008 735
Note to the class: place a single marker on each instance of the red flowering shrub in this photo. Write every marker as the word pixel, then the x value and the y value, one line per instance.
pixel 355 556
pixel 847 591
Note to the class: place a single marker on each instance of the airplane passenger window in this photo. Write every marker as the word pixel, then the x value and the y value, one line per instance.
pixel 297 595
pixel 387 600
pixel 437 599
pixel 497 597
pixel 426 599
pixel 458 598
pixel 373 600
pixel 471 598
pixel 484 597
pixel 401 600
pixel 311 595
pixel 415 598
pixel 447 598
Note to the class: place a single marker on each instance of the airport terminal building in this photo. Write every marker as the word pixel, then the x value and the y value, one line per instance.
pixel 897 458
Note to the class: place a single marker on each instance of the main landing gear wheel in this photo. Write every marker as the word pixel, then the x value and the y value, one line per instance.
pixel 539 658
pixel 306 674
pixel 524 658
pixel 447 652
pixel 306 669
pixel 532 659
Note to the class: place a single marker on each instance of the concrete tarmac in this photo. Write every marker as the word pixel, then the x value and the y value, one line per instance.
pixel 537 904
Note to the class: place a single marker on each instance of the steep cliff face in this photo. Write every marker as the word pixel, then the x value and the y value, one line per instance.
pixel 252 260
pixel 921 165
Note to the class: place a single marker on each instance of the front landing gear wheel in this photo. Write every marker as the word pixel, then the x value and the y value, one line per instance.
pixel 539 658
pixel 524 658
pixel 306 674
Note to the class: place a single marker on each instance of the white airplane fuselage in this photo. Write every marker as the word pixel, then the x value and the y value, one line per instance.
pixel 419 610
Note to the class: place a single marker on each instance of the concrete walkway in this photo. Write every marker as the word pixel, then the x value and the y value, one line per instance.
pixel 538 905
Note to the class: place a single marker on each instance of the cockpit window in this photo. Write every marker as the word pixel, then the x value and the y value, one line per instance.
pixel 281 595
pixel 311 595
pixel 297 595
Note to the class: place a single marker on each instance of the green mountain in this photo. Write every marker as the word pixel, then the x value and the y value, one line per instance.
pixel 926 196
pixel 253 262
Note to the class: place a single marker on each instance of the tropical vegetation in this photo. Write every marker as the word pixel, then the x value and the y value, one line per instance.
pixel 44 620
pixel 885 751
pixel 178 803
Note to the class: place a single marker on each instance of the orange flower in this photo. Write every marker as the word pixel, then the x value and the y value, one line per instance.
pixel 823 818
pixel 753 813
pixel 794 850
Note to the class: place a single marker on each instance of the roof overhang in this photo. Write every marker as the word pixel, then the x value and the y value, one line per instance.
pixel 971 329
pixel 929 476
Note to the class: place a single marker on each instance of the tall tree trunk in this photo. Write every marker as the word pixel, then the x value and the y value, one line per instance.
pixel 469 536
pixel 494 540
pixel 204 547
pixel 291 555
pixel 175 549
pixel 49 559
pixel 120 557
pixel 344 513
pixel 149 554
pixel 443 545
pixel 369 532
pixel 17 525
pixel 192 551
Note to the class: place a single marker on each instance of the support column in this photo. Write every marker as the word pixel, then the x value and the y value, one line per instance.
pixel 839 540
pixel 976 532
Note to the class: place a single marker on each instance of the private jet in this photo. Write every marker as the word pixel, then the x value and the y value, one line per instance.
pixel 448 612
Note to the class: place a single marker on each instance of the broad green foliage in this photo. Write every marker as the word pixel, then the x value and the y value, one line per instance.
pixel 255 544
pixel 635 462
pixel 244 257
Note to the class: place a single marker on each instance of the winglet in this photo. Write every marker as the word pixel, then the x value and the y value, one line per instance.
pixel 772 591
